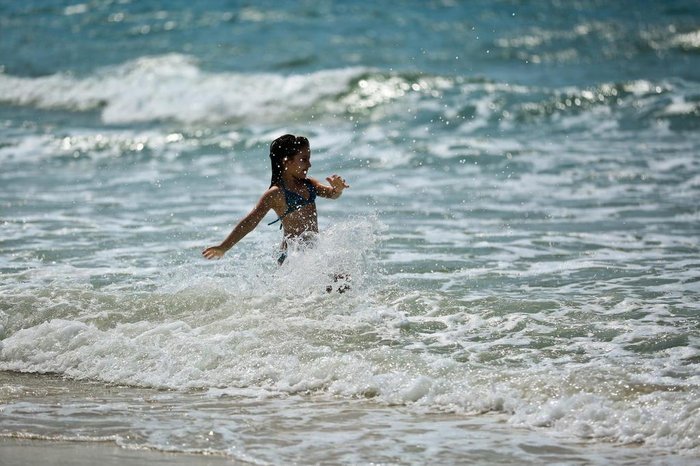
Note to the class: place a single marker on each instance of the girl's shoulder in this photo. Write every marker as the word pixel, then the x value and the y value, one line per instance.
pixel 273 194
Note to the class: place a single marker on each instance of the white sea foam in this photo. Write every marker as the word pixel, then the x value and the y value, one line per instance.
pixel 234 333
pixel 689 41
pixel 104 144
pixel 173 87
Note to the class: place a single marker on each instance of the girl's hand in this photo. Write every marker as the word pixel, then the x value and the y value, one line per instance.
pixel 214 252
pixel 337 183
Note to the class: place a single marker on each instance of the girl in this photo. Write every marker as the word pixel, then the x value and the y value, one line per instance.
pixel 291 195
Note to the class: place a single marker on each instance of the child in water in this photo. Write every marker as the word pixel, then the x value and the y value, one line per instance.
pixel 291 195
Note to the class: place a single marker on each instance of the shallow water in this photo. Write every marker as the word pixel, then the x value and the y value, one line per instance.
pixel 305 429
pixel 521 229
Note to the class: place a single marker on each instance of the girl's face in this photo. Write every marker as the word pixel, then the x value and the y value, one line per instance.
pixel 299 165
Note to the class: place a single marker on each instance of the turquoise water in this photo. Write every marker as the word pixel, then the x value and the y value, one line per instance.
pixel 521 229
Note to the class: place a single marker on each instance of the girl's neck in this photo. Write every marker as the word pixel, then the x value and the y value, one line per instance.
pixel 288 179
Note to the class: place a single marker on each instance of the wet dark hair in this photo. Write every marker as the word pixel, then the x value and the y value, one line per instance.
pixel 284 147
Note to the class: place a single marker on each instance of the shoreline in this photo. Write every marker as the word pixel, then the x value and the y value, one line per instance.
pixel 273 430
pixel 35 452
pixel 47 452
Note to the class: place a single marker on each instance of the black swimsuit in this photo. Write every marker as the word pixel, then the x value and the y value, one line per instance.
pixel 296 201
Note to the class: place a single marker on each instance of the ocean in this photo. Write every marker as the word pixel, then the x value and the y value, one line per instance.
pixel 522 230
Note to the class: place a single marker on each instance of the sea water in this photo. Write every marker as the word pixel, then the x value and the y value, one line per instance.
pixel 521 232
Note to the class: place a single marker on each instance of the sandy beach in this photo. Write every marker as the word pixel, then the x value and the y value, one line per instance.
pixel 29 452
pixel 21 452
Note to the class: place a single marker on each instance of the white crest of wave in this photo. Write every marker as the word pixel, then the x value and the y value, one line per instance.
pixel 173 87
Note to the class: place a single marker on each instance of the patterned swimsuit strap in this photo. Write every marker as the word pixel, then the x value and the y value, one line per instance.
pixel 296 201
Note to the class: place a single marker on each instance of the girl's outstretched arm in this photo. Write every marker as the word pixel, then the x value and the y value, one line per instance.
pixel 245 226
pixel 337 185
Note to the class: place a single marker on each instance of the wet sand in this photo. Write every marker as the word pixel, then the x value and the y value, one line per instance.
pixel 23 452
